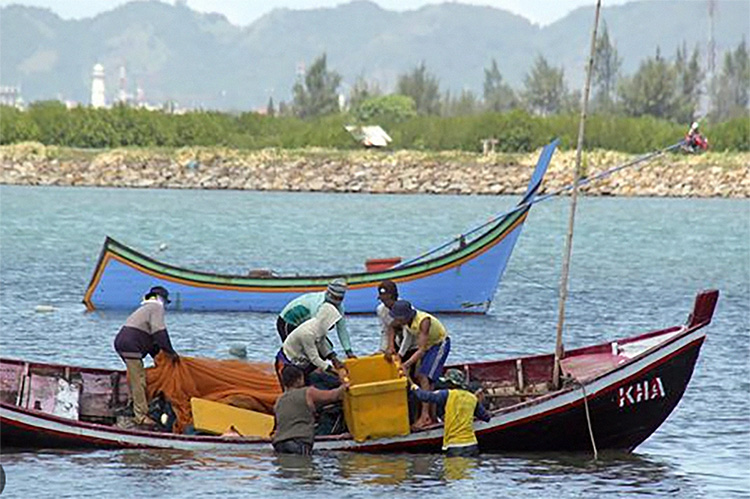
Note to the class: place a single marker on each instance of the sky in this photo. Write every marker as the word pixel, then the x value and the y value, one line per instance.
pixel 244 12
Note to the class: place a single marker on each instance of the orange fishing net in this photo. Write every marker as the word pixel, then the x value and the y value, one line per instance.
pixel 249 385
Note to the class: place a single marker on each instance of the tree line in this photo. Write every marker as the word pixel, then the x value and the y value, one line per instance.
pixel 644 111
pixel 675 89
pixel 517 130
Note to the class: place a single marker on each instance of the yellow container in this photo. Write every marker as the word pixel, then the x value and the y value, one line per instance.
pixel 370 369
pixel 375 406
pixel 216 418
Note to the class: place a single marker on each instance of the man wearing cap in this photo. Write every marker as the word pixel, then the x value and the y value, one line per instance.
pixel 461 406
pixel 306 306
pixel 307 347
pixel 388 295
pixel 433 347
pixel 144 333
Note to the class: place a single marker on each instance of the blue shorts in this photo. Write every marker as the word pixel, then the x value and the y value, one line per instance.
pixel 434 359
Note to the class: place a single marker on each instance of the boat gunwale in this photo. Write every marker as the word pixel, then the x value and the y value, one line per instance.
pixel 414 438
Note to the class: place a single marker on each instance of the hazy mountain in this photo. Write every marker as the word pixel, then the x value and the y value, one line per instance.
pixel 203 59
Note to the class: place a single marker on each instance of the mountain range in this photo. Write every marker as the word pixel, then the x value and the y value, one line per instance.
pixel 199 59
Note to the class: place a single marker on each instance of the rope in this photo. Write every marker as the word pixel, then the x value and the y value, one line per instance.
pixel 574 294
pixel 539 199
pixel 588 420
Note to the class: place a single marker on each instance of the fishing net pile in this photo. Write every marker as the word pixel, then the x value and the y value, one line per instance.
pixel 248 385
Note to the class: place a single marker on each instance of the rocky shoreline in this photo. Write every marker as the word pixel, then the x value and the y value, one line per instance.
pixel 725 175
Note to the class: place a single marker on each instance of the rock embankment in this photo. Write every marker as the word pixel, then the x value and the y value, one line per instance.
pixel 707 175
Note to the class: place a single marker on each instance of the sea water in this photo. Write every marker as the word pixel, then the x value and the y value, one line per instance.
pixel 637 265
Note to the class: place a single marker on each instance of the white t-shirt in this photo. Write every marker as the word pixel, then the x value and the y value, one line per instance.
pixel 384 315
pixel 308 343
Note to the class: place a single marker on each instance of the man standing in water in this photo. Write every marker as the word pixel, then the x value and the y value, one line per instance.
pixel 461 407
pixel 144 333
pixel 294 412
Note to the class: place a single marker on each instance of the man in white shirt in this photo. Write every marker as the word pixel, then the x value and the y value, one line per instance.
pixel 307 347
pixel 388 295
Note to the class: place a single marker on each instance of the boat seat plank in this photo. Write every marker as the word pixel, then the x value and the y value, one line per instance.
pixel 590 365
pixel 96 399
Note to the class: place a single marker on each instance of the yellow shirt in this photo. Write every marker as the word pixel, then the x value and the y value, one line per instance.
pixel 459 419
pixel 437 332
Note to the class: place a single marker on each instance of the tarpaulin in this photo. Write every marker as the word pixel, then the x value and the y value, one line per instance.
pixel 249 385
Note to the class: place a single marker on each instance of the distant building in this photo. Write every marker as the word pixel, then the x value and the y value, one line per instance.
pixel 11 96
pixel 98 95
pixel 123 97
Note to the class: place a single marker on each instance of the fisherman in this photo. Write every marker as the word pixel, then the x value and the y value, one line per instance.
pixel 306 306
pixel 144 333
pixel 388 295
pixel 460 407
pixel 694 140
pixel 433 347
pixel 308 348
pixel 294 412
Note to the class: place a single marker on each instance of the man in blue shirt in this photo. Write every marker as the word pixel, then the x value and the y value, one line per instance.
pixel 306 306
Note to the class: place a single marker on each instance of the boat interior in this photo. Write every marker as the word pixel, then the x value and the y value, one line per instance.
pixel 98 395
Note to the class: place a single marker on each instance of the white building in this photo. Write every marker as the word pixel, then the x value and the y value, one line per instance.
pixel 11 96
pixel 98 96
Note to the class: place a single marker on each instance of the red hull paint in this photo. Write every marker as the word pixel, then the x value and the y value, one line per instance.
pixel 623 411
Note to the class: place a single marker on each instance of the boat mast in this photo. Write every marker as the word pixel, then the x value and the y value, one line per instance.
pixel 574 201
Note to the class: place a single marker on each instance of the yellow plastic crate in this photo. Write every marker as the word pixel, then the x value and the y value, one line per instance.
pixel 375 406
pixel 370 369
pixel 216 418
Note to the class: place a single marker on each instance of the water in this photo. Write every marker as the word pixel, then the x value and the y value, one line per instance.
pixel 637 264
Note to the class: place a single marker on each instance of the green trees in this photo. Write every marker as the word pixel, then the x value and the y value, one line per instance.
pixel 544 88
pixel 606 71
pixel 386 109
pixel 16 126
pixel 664 89
pixel 518 130
pixel 498 95
pixel 690 78
pixel 361 91
pixel 651 90
pixel 731 86
pixel 317 93
pixel 423 87
pixel 646 110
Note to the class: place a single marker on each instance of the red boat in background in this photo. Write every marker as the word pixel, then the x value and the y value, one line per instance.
pixel 616 394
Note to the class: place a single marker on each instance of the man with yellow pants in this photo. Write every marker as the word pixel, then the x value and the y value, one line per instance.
pixel 461 406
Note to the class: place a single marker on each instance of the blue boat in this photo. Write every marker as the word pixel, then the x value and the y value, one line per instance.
pixel 460 276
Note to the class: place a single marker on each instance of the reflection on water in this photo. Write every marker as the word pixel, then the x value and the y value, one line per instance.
pixel 458 468
pixel 234 474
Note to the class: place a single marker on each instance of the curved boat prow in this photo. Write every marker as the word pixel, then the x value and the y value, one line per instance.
pixel 703 310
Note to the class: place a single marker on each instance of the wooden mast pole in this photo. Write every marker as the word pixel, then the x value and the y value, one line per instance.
pixel 574 201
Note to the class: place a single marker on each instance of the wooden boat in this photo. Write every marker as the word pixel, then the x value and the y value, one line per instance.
pixel 462 278
pixel 630 386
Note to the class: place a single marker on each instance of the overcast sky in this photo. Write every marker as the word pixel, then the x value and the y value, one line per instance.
pixel 243 12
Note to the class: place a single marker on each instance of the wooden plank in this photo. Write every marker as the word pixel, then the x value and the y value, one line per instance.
pixel 96 396
pixel 216 418
pixel 10 380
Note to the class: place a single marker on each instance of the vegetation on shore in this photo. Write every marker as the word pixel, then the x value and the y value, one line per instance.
pixel 517 131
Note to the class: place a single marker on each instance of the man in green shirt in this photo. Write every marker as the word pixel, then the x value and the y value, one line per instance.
pixel 306 306
pixel 294 412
